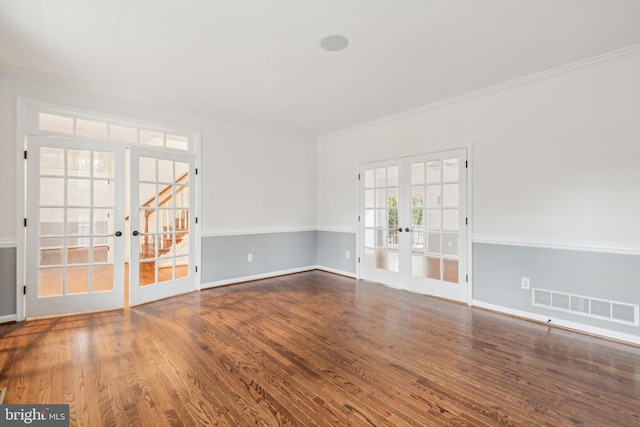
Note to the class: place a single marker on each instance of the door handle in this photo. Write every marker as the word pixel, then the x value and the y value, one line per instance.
pixel 118 233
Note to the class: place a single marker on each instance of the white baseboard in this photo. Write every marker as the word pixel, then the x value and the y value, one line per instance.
pixel 256 277
pixel 336 271
pixel 8 318
pixel 606 333
pixel 275 274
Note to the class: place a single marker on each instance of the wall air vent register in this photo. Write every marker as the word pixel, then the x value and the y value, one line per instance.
pixel 597 308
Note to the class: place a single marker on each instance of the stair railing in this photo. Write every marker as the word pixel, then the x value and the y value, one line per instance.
pixel 165 195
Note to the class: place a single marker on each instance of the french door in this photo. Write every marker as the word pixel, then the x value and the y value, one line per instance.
pixel 162 224
pixel 79 233
pixel 75 242
pixel 413 223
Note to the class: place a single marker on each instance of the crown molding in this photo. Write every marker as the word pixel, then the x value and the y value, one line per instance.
pixel 488 90
pixel 204 113
pixel 135 97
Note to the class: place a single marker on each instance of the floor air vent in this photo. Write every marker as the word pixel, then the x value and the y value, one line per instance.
pixel 613 311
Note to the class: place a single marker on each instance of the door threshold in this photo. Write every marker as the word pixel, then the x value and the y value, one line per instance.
pixel 74 313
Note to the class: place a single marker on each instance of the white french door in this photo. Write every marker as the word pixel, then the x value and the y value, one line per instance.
pixel 75 242
pixel 76 233
pixel 381 193
pixel 162 212
pixel 413 223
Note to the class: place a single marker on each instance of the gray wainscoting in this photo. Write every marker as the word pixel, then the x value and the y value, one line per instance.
pixel 225 257
pixel 332 250
pixel 498 269
pixel 7 281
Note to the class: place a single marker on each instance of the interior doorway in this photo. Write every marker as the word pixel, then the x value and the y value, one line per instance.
pixel 75 241
pixel 413 223
pixel 161 222
pixel 107 223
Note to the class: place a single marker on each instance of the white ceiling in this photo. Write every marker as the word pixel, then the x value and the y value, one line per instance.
pixel 259 61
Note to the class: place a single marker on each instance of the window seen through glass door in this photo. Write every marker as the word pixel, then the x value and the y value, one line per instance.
pixel 381 218
pixel 435 219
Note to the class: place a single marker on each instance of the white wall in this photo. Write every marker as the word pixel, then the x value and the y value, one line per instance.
pixel 554 159
pixel 251 178
pixel 261 181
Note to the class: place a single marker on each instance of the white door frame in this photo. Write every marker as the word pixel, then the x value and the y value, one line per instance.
pixel 143 294
pixel 440 287
pixel 469 208
pixel 388 277
pixel 92 300
pixel 27 111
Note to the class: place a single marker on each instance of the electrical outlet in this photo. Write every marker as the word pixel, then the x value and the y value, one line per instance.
pixel 524 282
pixel 250 257
pixel 348 254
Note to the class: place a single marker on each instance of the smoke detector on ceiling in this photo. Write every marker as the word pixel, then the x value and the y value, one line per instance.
pixel 334 43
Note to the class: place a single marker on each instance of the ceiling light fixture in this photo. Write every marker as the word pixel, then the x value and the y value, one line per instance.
pixel 334 43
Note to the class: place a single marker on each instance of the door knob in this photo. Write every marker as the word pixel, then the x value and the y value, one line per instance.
pixel 135 232
pixel 407 229
pixel 118 233
pixel 400 229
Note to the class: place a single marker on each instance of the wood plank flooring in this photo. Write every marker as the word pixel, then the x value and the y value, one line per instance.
pixel 317 349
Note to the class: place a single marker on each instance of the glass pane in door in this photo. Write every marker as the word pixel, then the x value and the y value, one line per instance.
pixel 435 219
pixel 164 213
pixel 381 218
pixel 76 222
pixel 412 231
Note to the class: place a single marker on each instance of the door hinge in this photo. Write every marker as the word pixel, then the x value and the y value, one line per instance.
pixel 466 163
pixel 196 171
pixel 466 221
pixel 358 218
pixel 25 222
pixel 358 174
pixel 358 260
pixel 466 278
pixel 196 268
pixel 24 290
pixel 25 154
pixel 196 220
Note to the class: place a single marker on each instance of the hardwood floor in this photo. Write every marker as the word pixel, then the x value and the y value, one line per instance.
pixel 317 349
